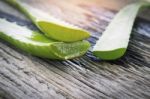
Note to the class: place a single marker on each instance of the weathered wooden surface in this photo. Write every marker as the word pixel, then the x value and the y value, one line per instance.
pixel 23 76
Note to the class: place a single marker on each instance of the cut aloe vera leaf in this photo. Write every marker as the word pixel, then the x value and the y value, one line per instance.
pixel 50 26
pixel 39 45
pixel 114 41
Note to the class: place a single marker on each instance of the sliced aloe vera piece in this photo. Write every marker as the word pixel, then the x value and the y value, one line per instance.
pixel 38 45
pixel 51 26
pixel 114 41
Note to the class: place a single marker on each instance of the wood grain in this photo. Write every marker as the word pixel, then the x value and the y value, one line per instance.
pixel 23 76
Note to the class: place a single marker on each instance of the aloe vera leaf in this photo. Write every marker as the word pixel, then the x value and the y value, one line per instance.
pixel 37 44
pixel 114 41
pixel 50 26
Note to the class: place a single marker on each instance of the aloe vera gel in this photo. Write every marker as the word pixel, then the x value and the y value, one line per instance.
pixel 114 41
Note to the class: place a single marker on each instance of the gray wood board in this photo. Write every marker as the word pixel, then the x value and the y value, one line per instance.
pixel 23 76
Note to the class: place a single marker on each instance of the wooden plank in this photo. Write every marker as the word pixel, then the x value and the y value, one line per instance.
pixel 28 77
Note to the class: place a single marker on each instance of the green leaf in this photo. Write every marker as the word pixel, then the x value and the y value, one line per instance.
pixel 39 45
pixel 52 27
pixel 114 40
